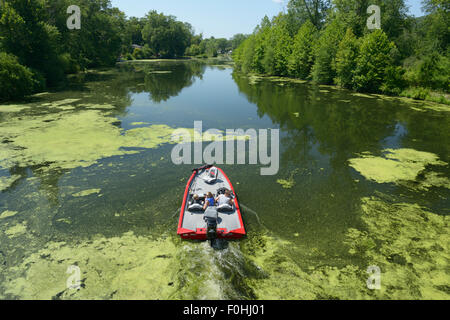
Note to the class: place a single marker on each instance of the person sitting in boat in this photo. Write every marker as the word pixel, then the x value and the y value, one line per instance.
pixel 209 201
pixel 195 203
pixel 224 199
pixel 196 199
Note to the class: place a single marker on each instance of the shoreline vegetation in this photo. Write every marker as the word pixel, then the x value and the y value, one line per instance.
pixel 38 51
pixel 331 44
pixel 254 78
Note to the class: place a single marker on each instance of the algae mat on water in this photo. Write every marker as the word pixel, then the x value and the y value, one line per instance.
pixel 67 140
pixel 6 182
pixel 126 267
pixel 409 244
pixel 401 166
pixel 123 267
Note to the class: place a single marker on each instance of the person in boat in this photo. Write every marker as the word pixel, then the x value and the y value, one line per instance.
pixel 196 200
pixel 209 201
pixel 224 199
pixel 195 203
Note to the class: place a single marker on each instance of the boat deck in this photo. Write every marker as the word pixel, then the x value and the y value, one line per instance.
pixel 194 220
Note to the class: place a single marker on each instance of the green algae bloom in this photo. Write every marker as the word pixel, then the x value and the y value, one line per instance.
pixel 6 182
pixel 286 184
pixel 16 230
pixel 7 214
pixel 131 268
pixel 290 182
pixel 362 95
pixel 413 248
pixel 123 267
pixel 400 166
pixel 409 244
pixel 87 193
pixel 67 140
pixel 12 108
pixel 160 72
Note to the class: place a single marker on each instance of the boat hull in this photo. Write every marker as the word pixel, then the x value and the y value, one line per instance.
pixel 192 225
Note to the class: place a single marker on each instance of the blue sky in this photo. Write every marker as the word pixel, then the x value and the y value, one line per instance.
pixel 218 18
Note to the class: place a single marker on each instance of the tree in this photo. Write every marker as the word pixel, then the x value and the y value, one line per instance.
pixel 222 45
pixel 437 23
pixel 259 44
pixel 324 71
pixel 243 56
pixel 302 57
pixel 346 60
pixel 313 10
pixel 132 33
pixel 278 48
pixel 16 80
pixel 354 15
pixel 99 41
pixel 26 34
pixel 165 35
pixel 373 62
pixel 237 40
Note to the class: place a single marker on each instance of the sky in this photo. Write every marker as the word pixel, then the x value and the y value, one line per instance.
pixel 218 18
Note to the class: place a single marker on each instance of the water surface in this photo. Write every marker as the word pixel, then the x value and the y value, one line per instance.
pixel 87 180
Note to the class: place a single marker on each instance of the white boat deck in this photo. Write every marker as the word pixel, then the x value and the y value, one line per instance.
pixel 193 220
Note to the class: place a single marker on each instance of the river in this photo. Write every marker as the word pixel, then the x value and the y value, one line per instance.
pixel 88 189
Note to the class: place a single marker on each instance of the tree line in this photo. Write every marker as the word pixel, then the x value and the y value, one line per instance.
pixel 38 50
pixel 157 35
pixel 329 43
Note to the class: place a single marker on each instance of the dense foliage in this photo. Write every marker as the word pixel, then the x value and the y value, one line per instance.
pixel 329 42
pixel 16 80
pixel 36 43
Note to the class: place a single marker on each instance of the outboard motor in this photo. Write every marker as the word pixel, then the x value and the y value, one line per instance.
pixel 211 218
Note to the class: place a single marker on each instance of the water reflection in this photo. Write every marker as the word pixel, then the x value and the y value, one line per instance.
pixel 161 80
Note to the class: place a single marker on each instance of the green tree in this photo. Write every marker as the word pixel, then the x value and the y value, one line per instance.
pixel 437 23
pixel 132 34
pixel 374 61
pixel 278 48
pixel 16 80
pixel 324 71
pixel 431 71
pixel 302 57
pixel 237 39
pixel 259 44
pixel 353 14
pixel 165 35
pixel 244 55
pixel 99 41
pixel 26 34
pixel 346 60
pixel 315 11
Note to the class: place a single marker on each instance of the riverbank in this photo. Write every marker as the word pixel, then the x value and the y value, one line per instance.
pixel 432 101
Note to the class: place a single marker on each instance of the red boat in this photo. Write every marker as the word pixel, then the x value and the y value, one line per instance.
pixel 216 222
